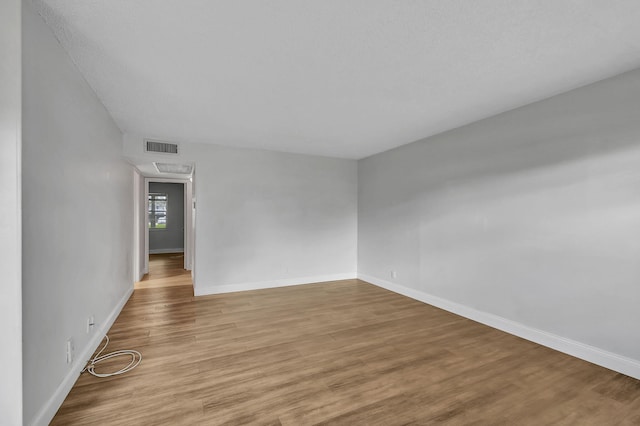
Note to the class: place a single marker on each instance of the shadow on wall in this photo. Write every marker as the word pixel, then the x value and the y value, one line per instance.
pixel 543 135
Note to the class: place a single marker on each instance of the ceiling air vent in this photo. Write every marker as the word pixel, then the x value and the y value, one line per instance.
pixel 162 147
pixel 181 169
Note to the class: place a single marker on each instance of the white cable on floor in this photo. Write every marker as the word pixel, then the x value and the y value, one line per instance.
pixel 136 357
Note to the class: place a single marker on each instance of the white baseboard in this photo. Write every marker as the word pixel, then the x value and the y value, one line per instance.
pixel 169 250
pixel 46 413
pixel 230 288
pixel 610 360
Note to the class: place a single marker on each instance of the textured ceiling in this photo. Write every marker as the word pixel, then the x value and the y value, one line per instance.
pixel 335 77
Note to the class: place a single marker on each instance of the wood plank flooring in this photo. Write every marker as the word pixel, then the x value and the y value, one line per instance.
pixel 165 270
pixel 344 353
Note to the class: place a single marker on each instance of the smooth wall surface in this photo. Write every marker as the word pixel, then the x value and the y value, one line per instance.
pixel 266 219
pixel 139 226
pixel 265 216
pixel 532 216
pixel 10 251
pixel 77 218
pixel 171 238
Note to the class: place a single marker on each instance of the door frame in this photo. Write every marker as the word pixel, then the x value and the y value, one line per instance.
pixel 188 220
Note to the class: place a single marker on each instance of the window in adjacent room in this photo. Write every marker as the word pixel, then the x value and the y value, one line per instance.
pixel 158 210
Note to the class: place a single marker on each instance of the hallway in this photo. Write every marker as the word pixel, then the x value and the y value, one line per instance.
pixel 165 270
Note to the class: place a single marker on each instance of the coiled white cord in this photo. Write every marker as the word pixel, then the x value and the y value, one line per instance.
pixel 136 357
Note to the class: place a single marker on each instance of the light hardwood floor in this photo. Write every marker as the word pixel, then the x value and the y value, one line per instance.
pixel 343 352
pixel 165 270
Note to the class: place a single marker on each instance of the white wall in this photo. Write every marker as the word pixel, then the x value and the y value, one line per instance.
pixel 77 219
pixel 529 220
pixel 10 252
pixel 171 238
pixel 139 226
pixel 267 219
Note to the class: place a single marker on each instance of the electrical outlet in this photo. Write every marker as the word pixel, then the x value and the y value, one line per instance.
pixel 70 351
pixel 90 324
pixel 394 274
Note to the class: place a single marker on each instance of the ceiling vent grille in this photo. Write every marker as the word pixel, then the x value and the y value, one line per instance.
pixel 180 169
pixel 161 147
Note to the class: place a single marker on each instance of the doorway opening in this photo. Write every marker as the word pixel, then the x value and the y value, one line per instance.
pixel 167 208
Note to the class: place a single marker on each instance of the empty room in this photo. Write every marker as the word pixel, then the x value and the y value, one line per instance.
pixel 320 212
